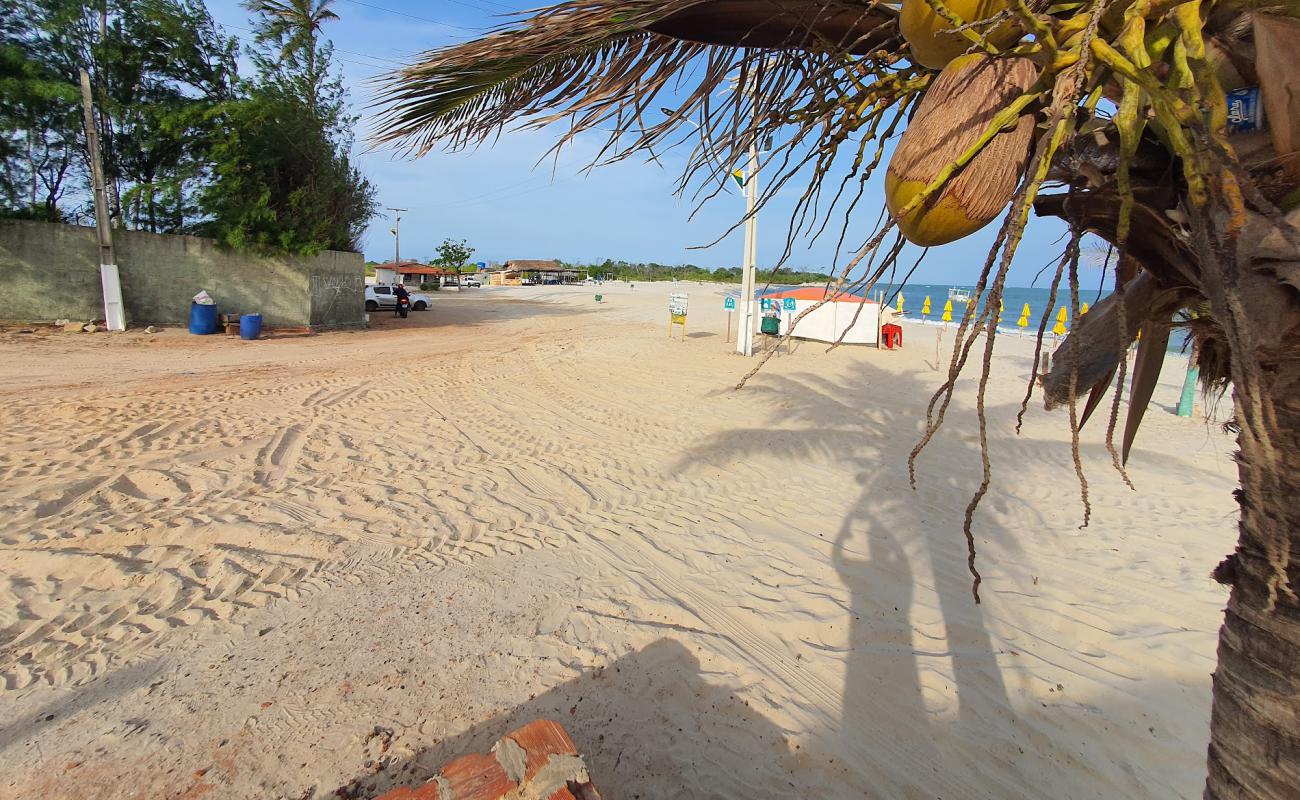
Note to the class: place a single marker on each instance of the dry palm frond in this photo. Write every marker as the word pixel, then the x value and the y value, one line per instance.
pixel 606 55
pixel 601 65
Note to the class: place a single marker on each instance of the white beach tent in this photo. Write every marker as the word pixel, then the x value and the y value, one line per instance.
pixel 857 318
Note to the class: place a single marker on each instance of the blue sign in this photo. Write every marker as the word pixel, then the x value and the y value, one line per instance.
pixel 764 303
pixel 482 265
pixel 788 304
pixel 729 304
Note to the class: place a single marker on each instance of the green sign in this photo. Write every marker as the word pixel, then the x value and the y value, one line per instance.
pixel 788 303
pixel 729 304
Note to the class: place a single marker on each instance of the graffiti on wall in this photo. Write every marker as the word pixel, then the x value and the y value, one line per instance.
pixel 336 298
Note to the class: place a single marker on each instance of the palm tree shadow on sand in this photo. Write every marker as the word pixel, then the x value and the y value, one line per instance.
pixel 924 711
pixel 924 700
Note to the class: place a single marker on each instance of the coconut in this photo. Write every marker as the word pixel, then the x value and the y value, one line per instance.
pixel 956 109
pixel 931 37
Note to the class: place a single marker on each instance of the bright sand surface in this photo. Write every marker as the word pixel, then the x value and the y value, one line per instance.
pixel 227 563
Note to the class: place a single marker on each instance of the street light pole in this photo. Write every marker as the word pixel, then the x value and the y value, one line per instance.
pixel 749 260
pixel 397 236
pixel 745 342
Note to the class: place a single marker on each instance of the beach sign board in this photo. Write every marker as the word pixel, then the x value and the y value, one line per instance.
pixel 788 303
pixel 677 304
pixel 729 304
pixel 764 303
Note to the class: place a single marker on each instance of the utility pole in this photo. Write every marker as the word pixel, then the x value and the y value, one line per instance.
pixel 397 236
pixel 745 330
pixel 110 280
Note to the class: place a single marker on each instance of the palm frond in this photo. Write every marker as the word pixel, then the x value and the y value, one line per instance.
pixel 598 55
pixel 601 65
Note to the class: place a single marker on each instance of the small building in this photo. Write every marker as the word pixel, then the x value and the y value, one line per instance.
pixel 529 272
pixel 847 318
pixel 413 273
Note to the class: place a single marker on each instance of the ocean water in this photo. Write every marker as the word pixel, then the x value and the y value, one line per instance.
pixel 1014 300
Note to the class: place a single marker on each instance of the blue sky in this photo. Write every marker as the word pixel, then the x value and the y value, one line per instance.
pixel 509 206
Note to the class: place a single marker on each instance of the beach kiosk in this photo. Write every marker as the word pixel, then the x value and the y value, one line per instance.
pixel 856 318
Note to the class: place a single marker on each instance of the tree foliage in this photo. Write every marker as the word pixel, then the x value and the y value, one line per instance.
pixel 283 179
pixel 39 123
pixel 453 254
pixel 611 269
pixel 281 183
pixel 187 145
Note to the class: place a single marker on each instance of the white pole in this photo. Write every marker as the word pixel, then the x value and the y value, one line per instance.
pixel 745 330
pixel 109 279
pixel 397 242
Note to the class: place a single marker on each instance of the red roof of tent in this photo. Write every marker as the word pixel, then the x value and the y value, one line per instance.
pixel 816 293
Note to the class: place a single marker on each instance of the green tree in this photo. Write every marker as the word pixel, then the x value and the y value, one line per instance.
pixel 1021 85
pixel 157 67
pixel 454 254
pixel 178 69
pixel 39 122
pixel 281 183
pixel 293 28
pixel 283 177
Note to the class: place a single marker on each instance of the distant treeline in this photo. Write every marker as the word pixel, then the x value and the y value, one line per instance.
pixel 626 271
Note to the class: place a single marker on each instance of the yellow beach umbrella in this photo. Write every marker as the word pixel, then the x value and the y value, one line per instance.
pixel 947 311
pixel 1083 309
pixel 900 304
pixel 925 307
pixel 1059 327
pixel 1024 317
pixel 1000 311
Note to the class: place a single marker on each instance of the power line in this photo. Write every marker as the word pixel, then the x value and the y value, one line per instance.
pixel 488 2
pixel 414 16
pixel 397 61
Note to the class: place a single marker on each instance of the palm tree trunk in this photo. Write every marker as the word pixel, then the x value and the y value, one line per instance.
pixel 1255 725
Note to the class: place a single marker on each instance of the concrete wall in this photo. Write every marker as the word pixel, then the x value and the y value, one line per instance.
pixel 51 271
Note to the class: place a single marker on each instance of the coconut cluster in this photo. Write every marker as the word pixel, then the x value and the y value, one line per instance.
pixel 957 108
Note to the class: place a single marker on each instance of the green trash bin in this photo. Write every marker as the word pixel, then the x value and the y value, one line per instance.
pixel 600 297
pixel 771 326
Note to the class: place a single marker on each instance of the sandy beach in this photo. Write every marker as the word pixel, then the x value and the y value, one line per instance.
pixel 321 566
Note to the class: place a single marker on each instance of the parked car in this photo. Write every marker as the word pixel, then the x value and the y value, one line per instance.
pixel 472 281
pixel 378 297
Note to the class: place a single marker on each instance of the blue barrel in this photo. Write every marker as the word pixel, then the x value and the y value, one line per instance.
pixel 250 326
pixel 203 318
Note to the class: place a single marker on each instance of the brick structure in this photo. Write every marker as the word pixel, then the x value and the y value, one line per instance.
pixel 537 762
